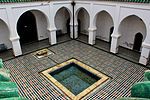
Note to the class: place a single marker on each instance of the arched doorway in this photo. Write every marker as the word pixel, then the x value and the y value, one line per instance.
pixel 133 32
pixel 26 28
pixel 111 31
pixel 6 51
pixel 32 28
pixel 129 28
pixel 4 34
pixel 138 42
pixel 104 23
pixel 83 20
pixel 62 23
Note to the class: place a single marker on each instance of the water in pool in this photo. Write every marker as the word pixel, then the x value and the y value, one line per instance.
pixel 74 78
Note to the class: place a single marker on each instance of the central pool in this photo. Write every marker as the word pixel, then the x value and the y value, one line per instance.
pixel 74 78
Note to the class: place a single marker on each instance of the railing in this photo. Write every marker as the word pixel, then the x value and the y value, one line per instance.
pixel 15 1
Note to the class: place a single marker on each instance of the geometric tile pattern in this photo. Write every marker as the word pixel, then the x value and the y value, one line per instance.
pixel 25 72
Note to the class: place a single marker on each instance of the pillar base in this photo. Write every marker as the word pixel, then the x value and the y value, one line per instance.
pixel 92 35
pixel 75 31
pixel 114 43
pixel 144 58
pixel 52 36
pixel 16 46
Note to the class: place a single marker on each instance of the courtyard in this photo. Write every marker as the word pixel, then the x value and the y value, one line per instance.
pixel 25 71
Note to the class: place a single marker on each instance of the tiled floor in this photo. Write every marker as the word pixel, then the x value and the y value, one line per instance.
pixel 28 48
pixel 122 52
pixel 25 71
pixel 6 55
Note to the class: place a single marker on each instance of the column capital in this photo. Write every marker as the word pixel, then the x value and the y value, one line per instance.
pixel 115 35
pixel 14 38
pixel 92 29
pixel 75 25
pixel 146 45
pixel 51 29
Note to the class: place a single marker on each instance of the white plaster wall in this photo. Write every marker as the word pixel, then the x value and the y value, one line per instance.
pixel 85 20
pixel 4 35
pixel 142 11
pixel 81 5
pixel 4 30
pixel 3 15
pixel 128 29
pixel 103 23
pixel 18 9
pixel 97 7
pixel 55 7
pixel 61 18
pixel 41 24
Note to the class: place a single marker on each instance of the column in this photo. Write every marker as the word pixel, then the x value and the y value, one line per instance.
pixel 14 37
pixel 71 31
pixel 52 36
pixel 92 27
pixel 52 28
pixel 92 35
pixel 145 53
pixel 115 36
pixel 75 31
pixel 144 58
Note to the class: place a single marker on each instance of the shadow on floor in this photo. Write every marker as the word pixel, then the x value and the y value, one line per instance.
pixel 105 46
pixel 129 54
pixel 27 48
pixel 31 47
